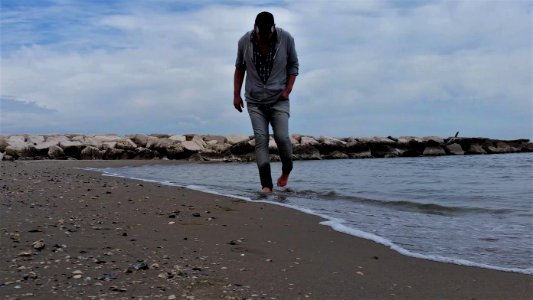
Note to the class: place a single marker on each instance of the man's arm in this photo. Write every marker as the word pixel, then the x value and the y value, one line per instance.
pixel 238 78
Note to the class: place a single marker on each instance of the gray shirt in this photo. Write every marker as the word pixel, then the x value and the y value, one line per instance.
pixel 285 63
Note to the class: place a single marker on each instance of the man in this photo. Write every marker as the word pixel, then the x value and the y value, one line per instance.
pixel 268 58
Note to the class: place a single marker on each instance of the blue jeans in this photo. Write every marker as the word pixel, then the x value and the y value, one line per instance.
pixel 277 115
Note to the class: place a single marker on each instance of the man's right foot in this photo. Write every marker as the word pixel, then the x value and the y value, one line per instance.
pixel 266 190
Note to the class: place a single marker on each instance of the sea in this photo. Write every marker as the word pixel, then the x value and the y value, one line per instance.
pixel 474 210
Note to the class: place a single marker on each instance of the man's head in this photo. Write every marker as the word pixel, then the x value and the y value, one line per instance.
pixel 264 23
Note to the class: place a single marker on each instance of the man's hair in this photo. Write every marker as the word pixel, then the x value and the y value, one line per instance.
pixel 264 22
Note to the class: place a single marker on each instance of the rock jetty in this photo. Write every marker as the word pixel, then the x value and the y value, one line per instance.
pixel 197 147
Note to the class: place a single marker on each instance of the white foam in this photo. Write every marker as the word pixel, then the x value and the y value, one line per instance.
pixel 337 225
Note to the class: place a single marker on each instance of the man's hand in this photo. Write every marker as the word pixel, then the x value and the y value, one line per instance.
pixel 284 96
pixel 237 103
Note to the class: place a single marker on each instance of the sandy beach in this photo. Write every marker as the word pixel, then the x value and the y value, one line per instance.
pixel 69 233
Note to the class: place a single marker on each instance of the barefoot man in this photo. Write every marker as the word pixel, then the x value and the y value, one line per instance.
pixel 268 57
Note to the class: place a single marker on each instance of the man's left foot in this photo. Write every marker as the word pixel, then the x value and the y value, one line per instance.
pixel 283 180
pixel 266 190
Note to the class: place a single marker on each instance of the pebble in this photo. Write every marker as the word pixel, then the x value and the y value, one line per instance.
pixel 171 297
pixel 141 265
pixel 38 245
pixel 26 253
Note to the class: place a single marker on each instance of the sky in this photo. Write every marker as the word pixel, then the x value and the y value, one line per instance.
pixel 367 68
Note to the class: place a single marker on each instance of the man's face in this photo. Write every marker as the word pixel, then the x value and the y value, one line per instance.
pixel 264 36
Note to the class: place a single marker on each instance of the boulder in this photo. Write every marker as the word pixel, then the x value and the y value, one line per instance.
pixel 91 152
pixel 16 139
pixel 55 152
pixel 160 135
pixel 179 138
pixel 144 153
pixel 337 155
pixel 527 147
pixel 331 142
pixel 243 147
pixel 306 152
pixel 196 157
pixel 433 151
pixel 236 139
pixel 499 147
pixel 161 144
pixel 78 138
pixel 45 145
pixel 115 153
pixel 355 146
pixel 3 143
pixel 193 146
pixel 219 139
pixel 219 148
pixel 433 140
pixel 454 149
pixel 376 140
pixel 72 149
pixel 17 148
pixel 384 150
pixel 125 144
pixel 166 147
pixel 475 148
pixel 175 151
pixel 35 139
pixel 362 154
pixel 99 140
pixel 56 138
pixel 308 141
pixel 107 145
pixel 141 140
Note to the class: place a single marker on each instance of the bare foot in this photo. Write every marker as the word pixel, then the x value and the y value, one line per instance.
pixel 283 180
pixel 266 190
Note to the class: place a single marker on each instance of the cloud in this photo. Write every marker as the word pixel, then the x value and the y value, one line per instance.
pixel 367 67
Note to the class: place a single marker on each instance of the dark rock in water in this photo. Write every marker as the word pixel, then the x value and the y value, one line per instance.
pixel 145 153
pixel 384 150
pixel 242 147
pixel 454 149
pixel 475 149
pixel 363 154
pixel 433 151
pixel 306 152
pixel 337 155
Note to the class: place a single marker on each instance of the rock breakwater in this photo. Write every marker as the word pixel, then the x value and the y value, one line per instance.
pixel 196 147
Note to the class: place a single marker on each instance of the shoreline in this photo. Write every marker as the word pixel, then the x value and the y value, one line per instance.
pixel 336 225
pixel 234 248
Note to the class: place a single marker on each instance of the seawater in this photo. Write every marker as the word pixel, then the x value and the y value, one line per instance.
pixel 470 210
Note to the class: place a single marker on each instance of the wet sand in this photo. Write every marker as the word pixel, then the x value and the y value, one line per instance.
pixel 70 233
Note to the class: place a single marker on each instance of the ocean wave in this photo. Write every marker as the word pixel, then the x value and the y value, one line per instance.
pixel 429 208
